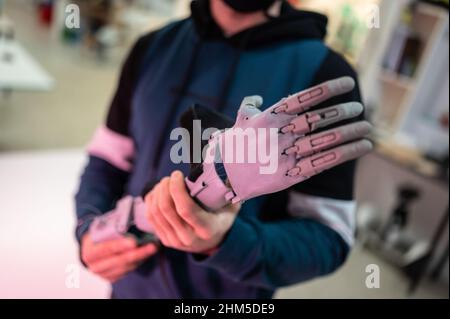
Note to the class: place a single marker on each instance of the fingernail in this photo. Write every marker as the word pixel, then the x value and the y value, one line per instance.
pixel 130 243
pixel 177 174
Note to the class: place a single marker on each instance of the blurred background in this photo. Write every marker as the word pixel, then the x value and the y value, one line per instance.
pixel 56 84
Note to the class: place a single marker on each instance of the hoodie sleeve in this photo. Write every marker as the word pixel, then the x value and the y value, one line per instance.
pixel 111 149
pixel 314 235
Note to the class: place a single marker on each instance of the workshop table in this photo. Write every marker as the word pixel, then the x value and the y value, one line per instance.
pixel 19 71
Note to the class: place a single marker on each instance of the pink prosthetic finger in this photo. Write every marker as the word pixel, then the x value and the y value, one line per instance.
pixel 314 120
pixel 308 145
pixel 317 163
pixel 304 100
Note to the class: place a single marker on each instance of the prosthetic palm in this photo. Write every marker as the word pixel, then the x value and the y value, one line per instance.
pixel 234 168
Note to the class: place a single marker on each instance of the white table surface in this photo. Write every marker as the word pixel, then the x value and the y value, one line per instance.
pixel 23 72
pixel 37 245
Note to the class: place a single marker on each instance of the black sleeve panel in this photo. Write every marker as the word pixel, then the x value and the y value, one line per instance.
pixel 337 182
pixel 120 109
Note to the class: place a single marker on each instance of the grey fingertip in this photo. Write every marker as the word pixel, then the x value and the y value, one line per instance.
pixel 358 129
pixel 342 85
pixel 364 128
pixel 258 100
pixel 347 83
pixel 353 109
pixel 363 147
pixel 355 150
pixel 253 101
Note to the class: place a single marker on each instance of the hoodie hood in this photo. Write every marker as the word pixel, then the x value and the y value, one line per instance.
pixel 292 24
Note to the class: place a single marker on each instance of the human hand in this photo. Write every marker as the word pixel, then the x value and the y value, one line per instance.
pixel 180 223
pixel 112 259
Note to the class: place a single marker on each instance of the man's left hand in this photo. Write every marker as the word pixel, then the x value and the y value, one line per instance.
pixel 180 223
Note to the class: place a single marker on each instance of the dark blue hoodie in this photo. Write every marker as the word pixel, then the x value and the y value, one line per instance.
pixel 277 240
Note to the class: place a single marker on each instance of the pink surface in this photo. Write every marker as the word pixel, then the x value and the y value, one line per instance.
pixel 37 244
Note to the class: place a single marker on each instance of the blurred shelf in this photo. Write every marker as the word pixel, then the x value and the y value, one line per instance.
pixel 399 95
pixel 407 158
pixel 433 11
pixel 398 80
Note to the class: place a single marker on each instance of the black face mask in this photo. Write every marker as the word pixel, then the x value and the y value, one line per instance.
pixel 247 6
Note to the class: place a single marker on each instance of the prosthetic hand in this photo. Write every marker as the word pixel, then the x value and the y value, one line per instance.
pixel 283 130
pixel 228 176
pixel 128 219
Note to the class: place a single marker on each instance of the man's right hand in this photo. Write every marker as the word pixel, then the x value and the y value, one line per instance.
pixel 112 259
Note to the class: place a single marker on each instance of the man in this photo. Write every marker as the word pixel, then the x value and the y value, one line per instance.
pixel 226 50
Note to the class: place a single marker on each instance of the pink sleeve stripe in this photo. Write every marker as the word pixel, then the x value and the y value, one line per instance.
pixel 112 147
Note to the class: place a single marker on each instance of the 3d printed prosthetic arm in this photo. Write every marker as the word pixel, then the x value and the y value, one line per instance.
pixel 280 146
